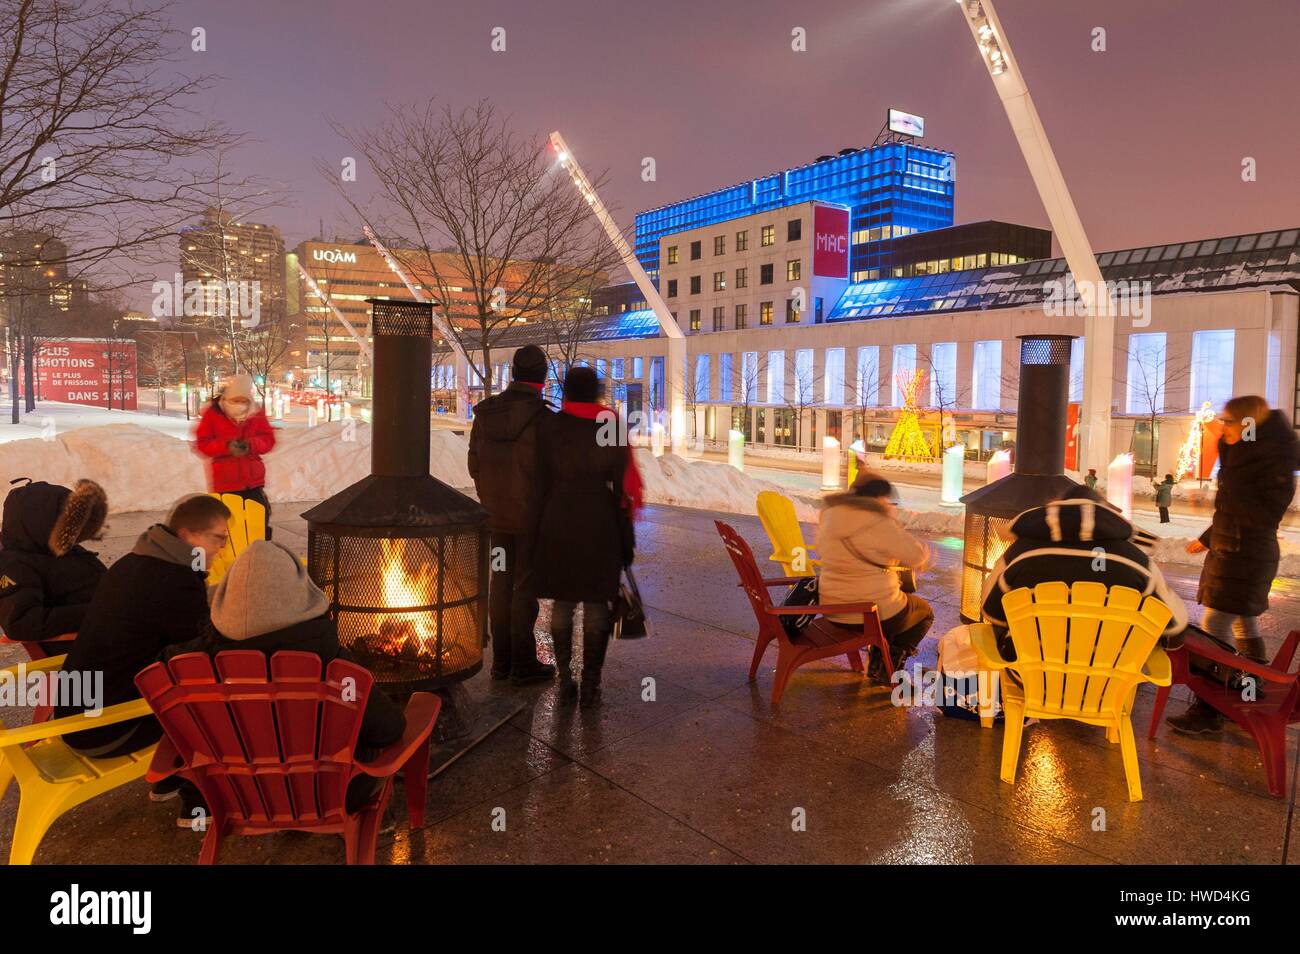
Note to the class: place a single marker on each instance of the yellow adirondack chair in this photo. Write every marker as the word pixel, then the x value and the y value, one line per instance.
pixel 52 778
pixel 776 511
pixel 1081 653
pixel 247 523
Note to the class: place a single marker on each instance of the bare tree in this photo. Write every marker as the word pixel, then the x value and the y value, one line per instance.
pixel 866 393
pixel 801 395
pixel 1149 377
pixel 264 350
pixel 163 352
pixel 945 397
pixel 481 213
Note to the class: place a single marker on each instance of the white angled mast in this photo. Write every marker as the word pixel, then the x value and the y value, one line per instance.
pixel 675 369
pixel 1099 328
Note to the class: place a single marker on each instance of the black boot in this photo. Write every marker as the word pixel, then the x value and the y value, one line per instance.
pixel 563 641
pixel 595 639
pixel 1201 718
pixel 1252 647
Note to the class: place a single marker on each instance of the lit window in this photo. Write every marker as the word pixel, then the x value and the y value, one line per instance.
pixel 1212 365
pixel 765 313
pixel 793 269
pixel 719 245
pixel 1145 390
pixel 791 311
pixel 695 319
pixel 742 241
pixel 986 376
pixel 701 377
pixel 904 363
pixel 719 281
pixel 776 377
pixel 672 254
pixel 833 378
pixel 768 236
pixel 943 374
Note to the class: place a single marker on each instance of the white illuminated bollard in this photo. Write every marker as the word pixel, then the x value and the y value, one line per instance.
pixel 999 466
pixel 954 469
pixel 736 449
pixel 830 463
pixel 1119 484
pixel 657 439
pixel 277 407
pixel 347 410
pixel 311 416
pixel 365 414
pixel 320 408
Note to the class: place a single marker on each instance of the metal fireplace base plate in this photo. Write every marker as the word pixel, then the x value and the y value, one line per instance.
pixel 468 722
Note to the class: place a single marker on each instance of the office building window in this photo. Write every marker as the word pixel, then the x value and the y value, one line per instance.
pixel 742 278
pixel 1212 358
pixel 724 377
pixel 742 241
pixel 672 288
pixel 833 378
pixel 793 270
pixel 986 376
pixel 791 311
pixel 802 387
pixel 794 230
pixel 765 274
pixel 719 281
pixel 616 369
pixel 765 313
pixel 695 319
pixel 943 374
pixel 776 377
pixel 768 236
pixel 867 378
pixel 904 363
pixel 657 383
pixel 701 378
pixel 818 310
pixel 1146 374
pixel 719 245
pixel 695 251
pixel 742 316
pixel 749 376
pixel 638 369
pixel 718 312
pixel 695 284
pixel 672 255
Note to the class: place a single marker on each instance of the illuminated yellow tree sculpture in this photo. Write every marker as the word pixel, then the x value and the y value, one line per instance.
pixel 908 442
pixel 1189 455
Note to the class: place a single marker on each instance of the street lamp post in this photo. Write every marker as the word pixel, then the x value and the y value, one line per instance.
pixel 675 372
pixel 1099 330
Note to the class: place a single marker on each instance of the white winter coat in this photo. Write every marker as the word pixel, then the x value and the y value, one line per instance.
pixel 854 530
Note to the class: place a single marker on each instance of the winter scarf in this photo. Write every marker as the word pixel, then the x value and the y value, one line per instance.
pixel 633 487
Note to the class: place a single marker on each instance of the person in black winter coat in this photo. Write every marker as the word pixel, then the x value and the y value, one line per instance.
pixel 266 602
pixel 47 578
pixel 1079 537
pixel 503 462
pixel 584 531
pixel 1258 457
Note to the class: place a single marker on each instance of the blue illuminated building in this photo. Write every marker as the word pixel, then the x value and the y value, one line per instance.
pixel 892 189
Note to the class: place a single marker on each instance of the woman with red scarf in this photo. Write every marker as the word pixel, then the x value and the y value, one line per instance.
pixel 590 489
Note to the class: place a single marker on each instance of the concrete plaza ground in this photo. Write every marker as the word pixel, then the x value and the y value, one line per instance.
pixel 709 772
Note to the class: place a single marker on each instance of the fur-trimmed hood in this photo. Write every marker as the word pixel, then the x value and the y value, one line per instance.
pixel 40 517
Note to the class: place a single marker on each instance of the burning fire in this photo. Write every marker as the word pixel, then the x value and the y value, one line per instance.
pixel 409 635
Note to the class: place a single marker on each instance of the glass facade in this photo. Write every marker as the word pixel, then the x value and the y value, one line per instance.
pixel 1212 360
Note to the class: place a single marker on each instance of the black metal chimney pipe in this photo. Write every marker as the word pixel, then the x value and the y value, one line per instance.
pixel 403 366
pixel 1042 405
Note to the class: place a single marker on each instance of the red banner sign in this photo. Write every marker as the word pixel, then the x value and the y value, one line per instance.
pixel 79 371
pixel 1072 437
pixel 830 242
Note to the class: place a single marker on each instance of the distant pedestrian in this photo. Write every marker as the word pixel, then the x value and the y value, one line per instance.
pixel 590 489
pixel 1165 496
pixel 503 461
pixel 1258 456
pixel 233 434
pixel 1091 480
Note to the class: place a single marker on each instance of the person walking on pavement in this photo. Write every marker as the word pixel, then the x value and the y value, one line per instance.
pixel 1258 457
pixel 1165 496
pixel 504 448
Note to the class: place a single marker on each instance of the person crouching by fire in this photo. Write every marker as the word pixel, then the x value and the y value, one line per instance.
pixel 232 435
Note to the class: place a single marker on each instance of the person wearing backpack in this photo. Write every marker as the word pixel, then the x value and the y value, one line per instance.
pixel 504 448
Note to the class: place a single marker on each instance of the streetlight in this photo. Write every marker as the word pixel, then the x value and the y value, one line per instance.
pixel 1099 330
pixel 675 373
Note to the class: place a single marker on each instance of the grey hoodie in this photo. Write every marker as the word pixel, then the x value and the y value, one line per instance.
pixel 162 544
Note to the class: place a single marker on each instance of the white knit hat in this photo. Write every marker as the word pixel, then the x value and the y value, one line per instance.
pixel 237 386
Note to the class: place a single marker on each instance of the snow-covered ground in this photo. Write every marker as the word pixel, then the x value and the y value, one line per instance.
pixel 145 462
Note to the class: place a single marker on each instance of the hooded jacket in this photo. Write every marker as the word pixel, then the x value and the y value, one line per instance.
pixel 149 599
pixel 228 472
pixel 503 456
pixel 854 534
pixel 47 578
pixel 1060 542
pixel 1256 483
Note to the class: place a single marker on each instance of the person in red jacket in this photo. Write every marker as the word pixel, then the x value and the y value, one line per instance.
pixel 233 434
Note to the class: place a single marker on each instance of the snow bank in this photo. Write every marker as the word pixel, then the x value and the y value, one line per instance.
pixel 144 469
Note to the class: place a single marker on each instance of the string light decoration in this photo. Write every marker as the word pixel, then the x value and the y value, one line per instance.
pixel 908 442
pixel 1189 455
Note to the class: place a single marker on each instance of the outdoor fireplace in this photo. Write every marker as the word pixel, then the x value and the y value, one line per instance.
pixel 1039 472
pixel 402 556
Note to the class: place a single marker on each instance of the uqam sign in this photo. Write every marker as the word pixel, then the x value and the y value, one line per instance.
pixel 76 371
pixel 830 242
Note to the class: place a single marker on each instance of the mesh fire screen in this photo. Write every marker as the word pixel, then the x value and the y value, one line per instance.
pixel 411 609
pixel 987 538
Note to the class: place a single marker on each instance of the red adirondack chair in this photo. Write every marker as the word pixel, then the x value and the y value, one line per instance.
pixel 1266 719
pixel 275 752
pixel 820 639
pixel 37 651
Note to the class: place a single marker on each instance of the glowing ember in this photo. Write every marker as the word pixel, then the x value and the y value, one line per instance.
pixel 408 635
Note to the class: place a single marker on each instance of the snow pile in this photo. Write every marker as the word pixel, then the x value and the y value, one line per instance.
pixel 706 485
pixel 144 469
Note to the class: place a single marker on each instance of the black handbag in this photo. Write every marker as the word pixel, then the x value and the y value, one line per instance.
pixel 1226 676
pixel 627 617
pixel 803 593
